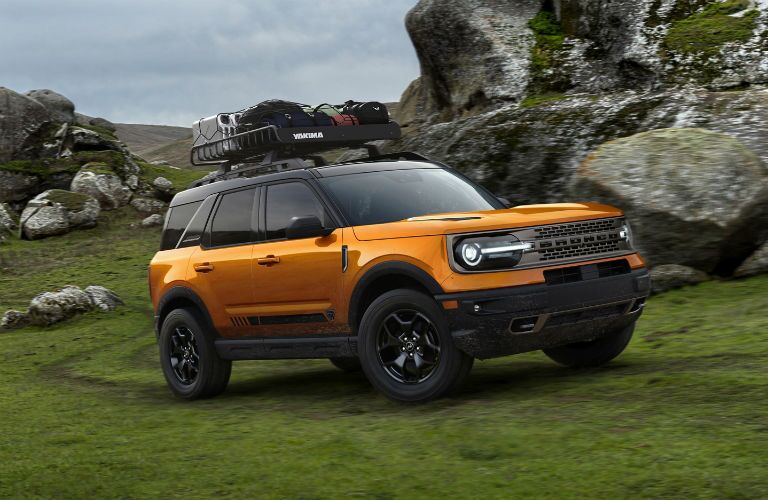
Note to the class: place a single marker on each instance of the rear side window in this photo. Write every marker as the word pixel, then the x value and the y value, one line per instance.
pixel 178 219
pixel 289 200
pixel 194 231
pixel 232 223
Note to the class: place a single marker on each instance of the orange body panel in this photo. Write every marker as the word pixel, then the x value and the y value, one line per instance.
pixel 305 277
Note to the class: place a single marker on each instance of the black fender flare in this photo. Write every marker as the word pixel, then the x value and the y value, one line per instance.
pixel 389 268
pixel 184 293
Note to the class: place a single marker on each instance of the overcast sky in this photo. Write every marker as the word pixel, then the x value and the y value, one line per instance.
pixel 173 61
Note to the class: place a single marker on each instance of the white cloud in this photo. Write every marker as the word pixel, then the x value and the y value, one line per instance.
pixel 174 61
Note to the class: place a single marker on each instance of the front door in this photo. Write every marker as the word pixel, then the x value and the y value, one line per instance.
pixel 297 283
pixel 221 268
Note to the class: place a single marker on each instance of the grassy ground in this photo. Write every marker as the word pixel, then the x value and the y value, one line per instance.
pixel 84 411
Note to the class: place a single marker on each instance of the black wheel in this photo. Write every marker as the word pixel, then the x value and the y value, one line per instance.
pixel 347 364
pixel 188 357
pixel 406 350
pixel 593 353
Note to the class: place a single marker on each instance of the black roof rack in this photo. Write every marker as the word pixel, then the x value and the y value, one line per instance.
pixel 296 141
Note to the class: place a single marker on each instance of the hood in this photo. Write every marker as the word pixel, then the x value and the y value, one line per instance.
pixel 489 220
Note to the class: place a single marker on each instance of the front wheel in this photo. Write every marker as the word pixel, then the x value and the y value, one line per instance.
pixel 191 366
pixel 406 349
pixel 593 353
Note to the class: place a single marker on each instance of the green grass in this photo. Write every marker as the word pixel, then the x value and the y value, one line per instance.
pixel 85 411
pixel 102 131
pixel 537 100
pixel 706 31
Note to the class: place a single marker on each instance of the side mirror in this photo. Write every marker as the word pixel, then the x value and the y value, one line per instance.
pixel 306 226
pixel 504 201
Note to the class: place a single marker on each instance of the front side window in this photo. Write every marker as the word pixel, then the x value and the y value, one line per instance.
pixel 392 195
pixel 289 200
pixel 232 223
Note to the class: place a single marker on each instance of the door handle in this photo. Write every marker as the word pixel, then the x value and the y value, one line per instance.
pixel 205 267
pixel 268 260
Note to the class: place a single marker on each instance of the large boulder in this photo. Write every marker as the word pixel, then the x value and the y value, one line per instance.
pixel 694 197
pixel 48 308
pixel 22 122
pixel 472 52
pixel 99 181
pixel 56 211
pixel 61 109
pixel 152 220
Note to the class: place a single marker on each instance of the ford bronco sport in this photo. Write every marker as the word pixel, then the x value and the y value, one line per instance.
pixel 396 265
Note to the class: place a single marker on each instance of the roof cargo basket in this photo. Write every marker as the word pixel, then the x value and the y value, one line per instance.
pixel 294 141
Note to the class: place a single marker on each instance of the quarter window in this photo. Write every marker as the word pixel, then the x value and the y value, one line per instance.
pixel 178 218
pixel 232 223
pixel 289 200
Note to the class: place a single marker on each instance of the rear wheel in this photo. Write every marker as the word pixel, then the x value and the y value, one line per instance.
pixel 347 364
pixel 191 366
pixel 406 349
pixel 593 353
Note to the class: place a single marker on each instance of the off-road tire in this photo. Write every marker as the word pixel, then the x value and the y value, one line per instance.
pixel 349 365
pixel 593 353
pixel 213 372
pixel 452 365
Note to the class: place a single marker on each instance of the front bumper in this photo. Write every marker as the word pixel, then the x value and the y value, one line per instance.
pixel 493 323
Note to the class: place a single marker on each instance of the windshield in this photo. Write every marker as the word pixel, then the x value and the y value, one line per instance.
pixel 392 195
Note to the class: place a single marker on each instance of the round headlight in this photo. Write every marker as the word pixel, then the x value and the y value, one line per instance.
pixel 470 253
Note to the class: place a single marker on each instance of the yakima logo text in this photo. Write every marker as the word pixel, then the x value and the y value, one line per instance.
pixel 308 135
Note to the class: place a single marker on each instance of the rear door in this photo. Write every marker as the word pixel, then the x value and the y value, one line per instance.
pixel 297 283
pixel 221 267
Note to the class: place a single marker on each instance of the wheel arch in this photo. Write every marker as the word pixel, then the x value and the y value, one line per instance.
pixel 181 297
pixel 382 278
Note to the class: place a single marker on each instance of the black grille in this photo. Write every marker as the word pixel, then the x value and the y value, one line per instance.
pixel 575 228
pixel 568 252
pixel 590 271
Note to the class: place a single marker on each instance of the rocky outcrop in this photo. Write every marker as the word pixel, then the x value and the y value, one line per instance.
pixel 61 109
pixel 99 181
pixel 694 197
pixel 479 54
pixel 17 186
pixel 669 276
pixel 56 212
pixel 23 121
pixel 49 308
pixel 757 263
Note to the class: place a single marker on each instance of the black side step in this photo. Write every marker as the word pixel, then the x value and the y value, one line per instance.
pixel 287 348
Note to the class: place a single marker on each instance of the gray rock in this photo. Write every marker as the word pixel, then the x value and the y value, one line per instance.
pixel 60 108
pixel 16 186
pixel 22 121
pixel 757 263
pixel 13 319
pixel 56 211
pixel 163 185
pixel 160 163
pixel 153 220
pixel 48 308
pixel 103 299
pixel 694 197
pixel 83 138
pixel 8 222
pixel 472 53
pixel 103 123
pixel 98 181
pixel 669 276
pixel 148 205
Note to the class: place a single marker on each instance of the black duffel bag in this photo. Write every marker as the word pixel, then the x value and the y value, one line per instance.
pixel 367 113
pixel 274 112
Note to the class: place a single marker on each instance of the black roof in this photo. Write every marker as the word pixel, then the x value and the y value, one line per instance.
pixel 201 192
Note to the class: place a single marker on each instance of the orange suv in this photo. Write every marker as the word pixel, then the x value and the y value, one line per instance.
pixel 403 268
